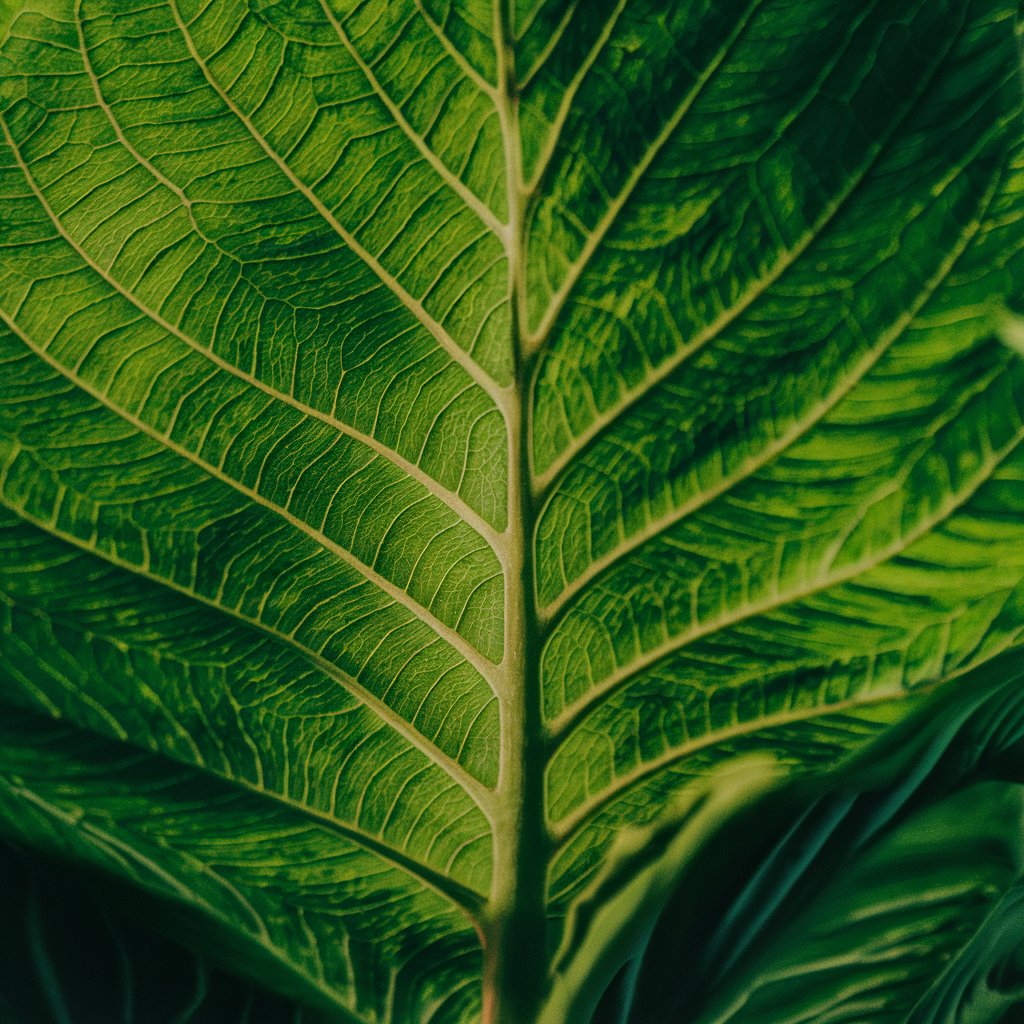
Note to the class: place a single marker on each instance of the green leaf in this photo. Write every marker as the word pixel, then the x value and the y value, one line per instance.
pixel 895 897
pixel 434 434
pixel 874 943
pixel 611 925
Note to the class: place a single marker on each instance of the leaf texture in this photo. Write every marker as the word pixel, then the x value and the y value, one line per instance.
pixel 890 900
pixel 434 434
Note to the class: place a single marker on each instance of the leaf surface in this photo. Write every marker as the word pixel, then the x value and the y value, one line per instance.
pixel 433 434
pixel 888 900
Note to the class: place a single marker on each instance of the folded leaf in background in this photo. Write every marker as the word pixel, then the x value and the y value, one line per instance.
pixel 895 893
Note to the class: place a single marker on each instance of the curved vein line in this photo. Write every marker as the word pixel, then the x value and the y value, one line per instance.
pixel 479 661
pixel 538 336
pixel 481 794
pixel 459 187
pixel 413 305
pixel 517 33
pixel 561 726
pixel 750 466
pixel 128 854
pixel 555 133
pixel 570 824
pixel 757 288
pixel 462 62
pixel 465 898
pixel 553 41
pixel 115 124
pixel 565 827
pixel 450 498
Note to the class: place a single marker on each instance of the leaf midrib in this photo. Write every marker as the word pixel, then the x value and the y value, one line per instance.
pixel 518 588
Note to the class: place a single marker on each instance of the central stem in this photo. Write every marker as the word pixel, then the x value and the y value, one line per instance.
pixel 516 959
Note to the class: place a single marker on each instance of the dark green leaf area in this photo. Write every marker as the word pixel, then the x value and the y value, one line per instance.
pixel 71 954
pixel 896 897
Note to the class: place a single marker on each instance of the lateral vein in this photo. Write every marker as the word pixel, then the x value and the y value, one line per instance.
pixel 566 827
pixel 459 187
pixel 444 339
pixel 784 441
pixel 538 336
pixel 481 794
pixel 482 664
pixel 450 498
pixel 615 681
pixel 108 844
pixel 727 316
pixel 463 63
pixel 465 898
